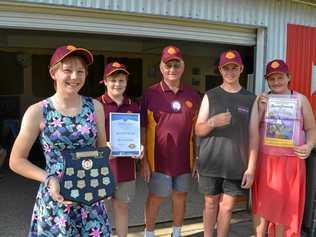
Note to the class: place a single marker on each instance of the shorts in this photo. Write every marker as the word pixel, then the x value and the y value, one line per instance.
pixel 125 191
pixel 215 185
pixel 162 185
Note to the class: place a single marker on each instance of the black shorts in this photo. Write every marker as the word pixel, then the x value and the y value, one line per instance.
pixel 214 186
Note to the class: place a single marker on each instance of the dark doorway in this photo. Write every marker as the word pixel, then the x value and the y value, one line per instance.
pixel 212 81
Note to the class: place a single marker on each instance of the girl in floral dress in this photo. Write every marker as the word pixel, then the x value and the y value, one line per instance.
pixel 66 120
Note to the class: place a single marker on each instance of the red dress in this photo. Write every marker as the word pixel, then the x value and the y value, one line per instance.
pixel 278 192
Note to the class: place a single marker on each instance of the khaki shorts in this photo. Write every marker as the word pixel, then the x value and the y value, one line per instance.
pixel 125 191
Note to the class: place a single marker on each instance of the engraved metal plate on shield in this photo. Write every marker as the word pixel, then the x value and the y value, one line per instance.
pixel 106 180
pixel 94 173
pixel 101 192
pixel 88 196
pixel 74 193
pixel 68 184
pixel 94 183
pixel 81 184
pixel 70 171
pixel 104 170
pixel 81 174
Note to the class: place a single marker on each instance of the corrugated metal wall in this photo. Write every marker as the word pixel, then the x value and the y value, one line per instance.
pixel 301 56
pixel 271 14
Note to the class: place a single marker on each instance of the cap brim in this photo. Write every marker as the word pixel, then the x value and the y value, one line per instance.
pixel 172 58
pixel 269 74
pixel 239 64
pixel 86 55
pixel 115 70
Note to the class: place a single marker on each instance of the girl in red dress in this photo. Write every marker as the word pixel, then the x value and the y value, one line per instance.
pixel 278 192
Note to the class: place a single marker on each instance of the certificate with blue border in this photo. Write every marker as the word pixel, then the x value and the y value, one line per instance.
pixel 125 134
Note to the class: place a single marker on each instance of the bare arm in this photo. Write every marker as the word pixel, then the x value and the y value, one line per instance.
pixel 204 124
pixel 254 135
pixel 310 130
pixel 145 170
pixel 254 123
pixel 309 122
pixel 30 129
pixel 100 121
pixel 203 127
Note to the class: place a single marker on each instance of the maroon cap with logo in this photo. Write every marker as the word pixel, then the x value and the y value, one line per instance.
pixel 171 53
pixel 64 51
pixel 276 66
pixel 110 68
pixel 230 56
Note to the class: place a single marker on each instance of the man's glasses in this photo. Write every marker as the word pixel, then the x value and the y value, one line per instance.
pixel 174 65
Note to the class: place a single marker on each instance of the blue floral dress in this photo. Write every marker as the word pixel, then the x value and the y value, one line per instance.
pixel 59 132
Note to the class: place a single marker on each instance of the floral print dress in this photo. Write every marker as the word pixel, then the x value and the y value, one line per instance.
pixel 59 132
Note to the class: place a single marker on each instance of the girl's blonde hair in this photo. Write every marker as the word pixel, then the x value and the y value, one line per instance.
pixel 58 65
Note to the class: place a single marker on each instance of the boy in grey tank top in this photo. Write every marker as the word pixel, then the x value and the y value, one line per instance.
pixel 222 125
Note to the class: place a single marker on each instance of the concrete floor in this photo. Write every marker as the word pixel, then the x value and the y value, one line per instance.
pixel 193 227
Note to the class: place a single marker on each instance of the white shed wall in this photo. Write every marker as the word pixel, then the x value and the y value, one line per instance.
pixel 274 15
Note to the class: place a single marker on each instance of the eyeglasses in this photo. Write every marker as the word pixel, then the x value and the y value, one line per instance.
pixel 174 65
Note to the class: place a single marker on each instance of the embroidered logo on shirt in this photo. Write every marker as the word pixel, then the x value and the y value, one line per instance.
pixel 188 103
pixel 242 109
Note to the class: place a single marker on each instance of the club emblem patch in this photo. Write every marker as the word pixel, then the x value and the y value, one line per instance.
pixel 230 55
pixel 87 164
pixel 171 51
pixel 275 65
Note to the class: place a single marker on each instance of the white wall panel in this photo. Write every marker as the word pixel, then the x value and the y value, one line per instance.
pixel 268 17
pixel 272 14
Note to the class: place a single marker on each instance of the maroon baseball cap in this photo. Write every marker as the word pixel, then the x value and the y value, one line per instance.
pixel 171 53
pixel 276 66
pixel 230 56
pixel 110 68
pixel 64 51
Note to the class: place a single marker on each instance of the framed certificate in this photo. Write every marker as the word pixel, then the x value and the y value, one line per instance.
pixel 125 134
pixel 281 121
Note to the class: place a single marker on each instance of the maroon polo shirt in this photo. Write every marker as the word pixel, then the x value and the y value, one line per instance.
pixel 122 167
pixel 169 118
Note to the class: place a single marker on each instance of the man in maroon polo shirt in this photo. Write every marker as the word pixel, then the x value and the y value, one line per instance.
pixel 113 100
pixel 169 109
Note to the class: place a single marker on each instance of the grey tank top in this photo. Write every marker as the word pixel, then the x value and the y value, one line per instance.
pixel 224 152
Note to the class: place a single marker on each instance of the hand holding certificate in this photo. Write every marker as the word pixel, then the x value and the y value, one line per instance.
pixel 281 121
pixel 125 134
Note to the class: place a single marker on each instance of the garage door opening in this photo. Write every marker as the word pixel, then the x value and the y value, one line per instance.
pixel 25 79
